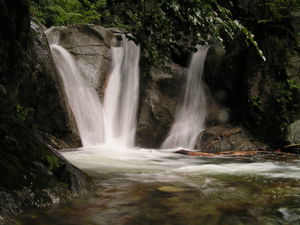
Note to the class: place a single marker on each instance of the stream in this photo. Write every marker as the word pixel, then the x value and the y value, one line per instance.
pixel 159 187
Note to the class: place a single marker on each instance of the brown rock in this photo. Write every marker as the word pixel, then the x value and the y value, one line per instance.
pixel 227 138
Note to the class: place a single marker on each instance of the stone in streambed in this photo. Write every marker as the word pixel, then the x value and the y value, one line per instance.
pixel 170 189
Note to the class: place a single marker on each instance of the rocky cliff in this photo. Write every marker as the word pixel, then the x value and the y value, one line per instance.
pixel 32 174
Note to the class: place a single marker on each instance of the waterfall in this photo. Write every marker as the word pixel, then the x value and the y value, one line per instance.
pixel 82 97
pixel 121 95
pixel 114 123
pixel 190 116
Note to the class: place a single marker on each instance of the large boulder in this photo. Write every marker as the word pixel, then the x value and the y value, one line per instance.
pixel 41 96
pixel 227 137
pixel 160 90
pixel 293 135
pixel 90 46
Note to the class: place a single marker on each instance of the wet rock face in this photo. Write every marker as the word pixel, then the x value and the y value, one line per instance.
pixel 90 46
pixel 160 91
pixel 42 93
pixel 41 96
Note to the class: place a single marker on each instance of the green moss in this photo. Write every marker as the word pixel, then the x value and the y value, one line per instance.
pixel 52 161
pixel 21 112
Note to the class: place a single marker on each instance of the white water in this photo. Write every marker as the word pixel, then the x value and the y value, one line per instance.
pixel 82 97
pixel 190 115
pixel 121 95
pixel 150 164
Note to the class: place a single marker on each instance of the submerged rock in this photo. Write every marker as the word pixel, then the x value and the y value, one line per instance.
pixel 170 189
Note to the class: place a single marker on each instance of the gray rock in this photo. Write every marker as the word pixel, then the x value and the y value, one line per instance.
pixel 293 134
pixel 90 46
pixel 160 92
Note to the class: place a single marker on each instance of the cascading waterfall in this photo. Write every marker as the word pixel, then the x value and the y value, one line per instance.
pixel 121 95
pixel 82 97
pixel 114 123
pixel 190 116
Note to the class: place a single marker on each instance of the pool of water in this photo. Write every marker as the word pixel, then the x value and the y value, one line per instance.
pixel 150 187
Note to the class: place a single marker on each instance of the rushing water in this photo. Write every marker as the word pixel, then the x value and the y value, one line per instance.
pixel 82 97
pixel 113 123
pixel 121 95
pixel 191 113
pixel 149 187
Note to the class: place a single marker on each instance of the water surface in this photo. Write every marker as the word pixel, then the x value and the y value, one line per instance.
pixel 149 187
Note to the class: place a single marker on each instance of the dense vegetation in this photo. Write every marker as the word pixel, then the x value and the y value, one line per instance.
pixel 274 102
pixel 163 28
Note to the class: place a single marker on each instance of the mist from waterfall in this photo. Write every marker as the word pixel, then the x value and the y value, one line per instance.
pixel 121 95
pixel 190 115
pixel 82 97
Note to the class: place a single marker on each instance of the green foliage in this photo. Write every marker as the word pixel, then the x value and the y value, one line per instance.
pixel 285 101
pixel 64 12
pixel 277 10
pixel 166 27
pixel 52 161
pixel 162 27
pixel 280 109
pixel 256 103
pixel 21 112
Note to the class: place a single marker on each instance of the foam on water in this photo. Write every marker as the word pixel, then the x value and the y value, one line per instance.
pixel 167 162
